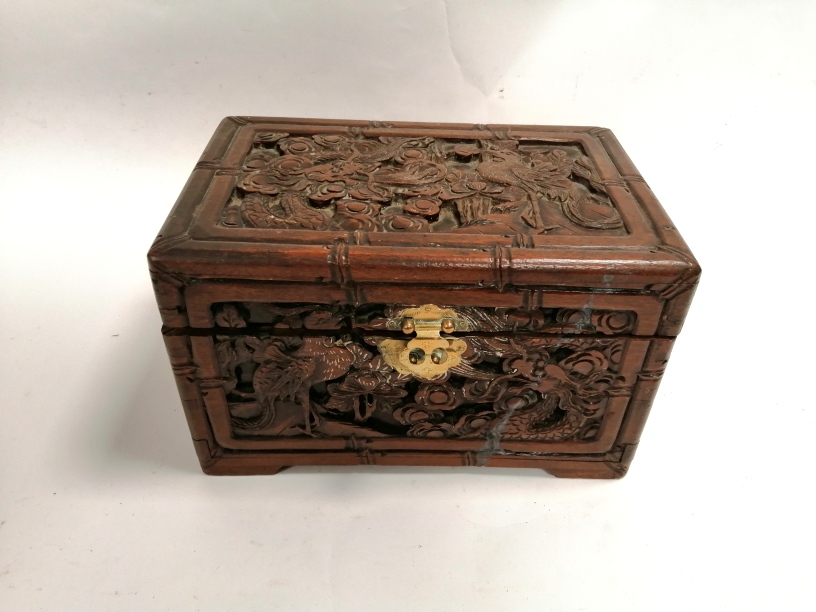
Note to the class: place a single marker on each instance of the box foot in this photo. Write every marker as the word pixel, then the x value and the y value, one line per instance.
pixel 587 469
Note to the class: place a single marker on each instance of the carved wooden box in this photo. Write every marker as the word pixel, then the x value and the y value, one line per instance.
pixel 344 292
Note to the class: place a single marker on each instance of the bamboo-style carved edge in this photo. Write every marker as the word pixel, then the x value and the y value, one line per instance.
pixel 175 229
pixel 169 291
pixel 612 465
pixel 185 372
pixel 642 269
pixel 379 124
pixel 679 291
pixel 649 377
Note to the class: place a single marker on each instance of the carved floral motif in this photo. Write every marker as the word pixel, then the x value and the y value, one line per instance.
pixel 522 388
pixel 401 184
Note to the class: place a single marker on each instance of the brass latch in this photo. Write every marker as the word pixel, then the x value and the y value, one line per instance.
pixel 428 355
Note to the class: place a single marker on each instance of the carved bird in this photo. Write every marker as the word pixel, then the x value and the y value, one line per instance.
pixel 507 168
pixel 511 170
pixel 499 167
pixel 290 376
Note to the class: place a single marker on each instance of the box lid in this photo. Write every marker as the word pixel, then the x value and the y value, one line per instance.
pixel 355 203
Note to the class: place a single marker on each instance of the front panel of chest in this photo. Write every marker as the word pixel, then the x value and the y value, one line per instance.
pixel 529 378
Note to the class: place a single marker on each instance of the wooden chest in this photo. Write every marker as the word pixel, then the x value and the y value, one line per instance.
pixel 346 292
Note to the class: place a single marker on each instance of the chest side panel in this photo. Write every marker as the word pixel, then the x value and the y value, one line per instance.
pixel 289 375
pixel 535 394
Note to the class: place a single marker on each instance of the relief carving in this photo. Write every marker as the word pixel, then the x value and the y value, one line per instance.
pixel 522 388
pixel 398 184
pixel 540 320
pixel 374 317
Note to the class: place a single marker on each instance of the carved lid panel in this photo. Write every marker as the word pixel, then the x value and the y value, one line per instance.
pixel 356 182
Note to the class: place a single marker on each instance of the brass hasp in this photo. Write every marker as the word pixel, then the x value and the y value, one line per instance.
pixel 428 356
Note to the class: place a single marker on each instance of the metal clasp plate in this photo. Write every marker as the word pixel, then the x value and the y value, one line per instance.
pixel 428 355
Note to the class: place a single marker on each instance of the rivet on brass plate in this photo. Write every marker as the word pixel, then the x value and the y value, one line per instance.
pixel 417 356
pixel 439 355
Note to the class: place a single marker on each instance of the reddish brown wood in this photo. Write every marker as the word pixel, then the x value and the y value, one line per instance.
pixel 296 240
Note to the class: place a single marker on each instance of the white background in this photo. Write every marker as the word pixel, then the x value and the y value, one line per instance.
pixel 104 109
